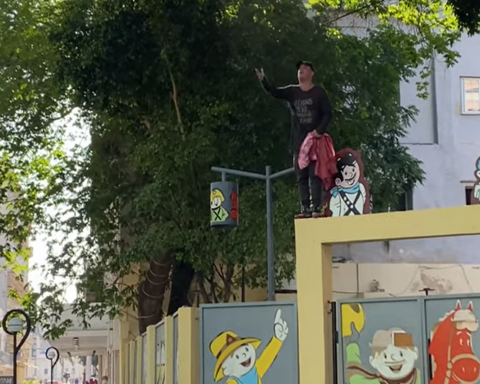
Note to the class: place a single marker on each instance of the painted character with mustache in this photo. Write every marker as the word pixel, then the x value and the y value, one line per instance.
pixel 237 357
pixel 393 356
pixel 349 197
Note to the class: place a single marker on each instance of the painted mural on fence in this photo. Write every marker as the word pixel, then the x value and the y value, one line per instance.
pixel 381 343
pixel 160 354
pixel 247 351
pixel 451 350
pixel 237 357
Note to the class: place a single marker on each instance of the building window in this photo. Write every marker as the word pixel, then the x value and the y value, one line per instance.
pixel 45 371
pixel 470 95
pixel 405 201
pixel 468 195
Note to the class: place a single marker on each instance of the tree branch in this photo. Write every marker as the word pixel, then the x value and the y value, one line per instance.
pixel 352 12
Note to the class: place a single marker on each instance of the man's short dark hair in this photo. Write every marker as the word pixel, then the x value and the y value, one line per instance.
pixel 306 63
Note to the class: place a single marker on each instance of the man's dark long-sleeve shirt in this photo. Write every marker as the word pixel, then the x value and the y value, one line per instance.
pixel 310 110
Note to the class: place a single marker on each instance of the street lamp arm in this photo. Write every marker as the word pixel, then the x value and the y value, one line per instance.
pixel 235 172
pixel 53 360
pixel 268 177
pixel 282 173
pixel 16 348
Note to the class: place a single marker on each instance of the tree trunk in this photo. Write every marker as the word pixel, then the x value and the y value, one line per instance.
pixel 182 278
pixel 151 291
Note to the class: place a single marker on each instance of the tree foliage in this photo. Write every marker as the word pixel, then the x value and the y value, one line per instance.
pixel 467 13
pixel 166 90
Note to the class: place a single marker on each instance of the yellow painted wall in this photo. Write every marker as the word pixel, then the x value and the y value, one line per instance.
pixel 314 239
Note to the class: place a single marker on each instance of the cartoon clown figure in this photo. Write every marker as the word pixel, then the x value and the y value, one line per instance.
pixel 218 213
pixel 349 197
pixel 237 358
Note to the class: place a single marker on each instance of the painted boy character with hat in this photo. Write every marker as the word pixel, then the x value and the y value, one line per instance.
pixel 218 213
pixel 237 358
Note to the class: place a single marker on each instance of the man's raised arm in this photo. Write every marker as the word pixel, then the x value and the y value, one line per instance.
pixel 282 93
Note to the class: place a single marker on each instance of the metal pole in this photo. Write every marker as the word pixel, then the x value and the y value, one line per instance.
pixel 270 248
pixel 17 348
pixel 53 360
pixel 268 177
pixel 243 282
pixel 15 358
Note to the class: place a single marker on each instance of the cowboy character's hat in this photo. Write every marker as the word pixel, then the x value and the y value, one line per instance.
pixel 224 345
pixel 217 193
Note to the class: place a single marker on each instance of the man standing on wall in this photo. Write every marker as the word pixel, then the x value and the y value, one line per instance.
pixel 311 112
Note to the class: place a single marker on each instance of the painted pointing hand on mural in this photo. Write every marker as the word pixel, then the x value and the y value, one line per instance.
pixel 280 327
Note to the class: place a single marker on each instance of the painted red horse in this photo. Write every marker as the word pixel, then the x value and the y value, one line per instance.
pixel 453 358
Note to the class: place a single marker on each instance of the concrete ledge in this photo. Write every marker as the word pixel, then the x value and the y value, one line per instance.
pixel 457 221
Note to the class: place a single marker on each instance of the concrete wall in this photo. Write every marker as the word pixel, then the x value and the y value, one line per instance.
pixel 350 280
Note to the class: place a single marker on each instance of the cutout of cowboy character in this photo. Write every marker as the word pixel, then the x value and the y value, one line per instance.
pixel 237 357
pixel 218 213
pixel 393 356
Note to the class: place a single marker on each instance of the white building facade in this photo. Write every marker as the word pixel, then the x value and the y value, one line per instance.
pixel 446 138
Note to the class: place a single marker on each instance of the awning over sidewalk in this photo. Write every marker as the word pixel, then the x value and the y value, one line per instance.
pixel 92 339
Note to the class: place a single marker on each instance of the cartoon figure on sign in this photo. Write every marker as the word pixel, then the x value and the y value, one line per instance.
pixel 160 363
pixel 476 189
pixel 218 213
pixel 350 195
pixel 451 352
pixel 237 358
pixel 392 355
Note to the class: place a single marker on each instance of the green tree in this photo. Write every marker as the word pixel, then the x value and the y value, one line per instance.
pixel 30 144
pixel 467 13
pixel 166 90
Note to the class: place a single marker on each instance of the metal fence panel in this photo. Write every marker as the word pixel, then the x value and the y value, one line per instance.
pixel 381 340
pixel 453 338
pixel 144 358
pixel 135 362
pixel 247 342
pixel 160 353
pixel 175 361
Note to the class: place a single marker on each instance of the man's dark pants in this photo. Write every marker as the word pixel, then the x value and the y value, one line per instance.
pixel 304 176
